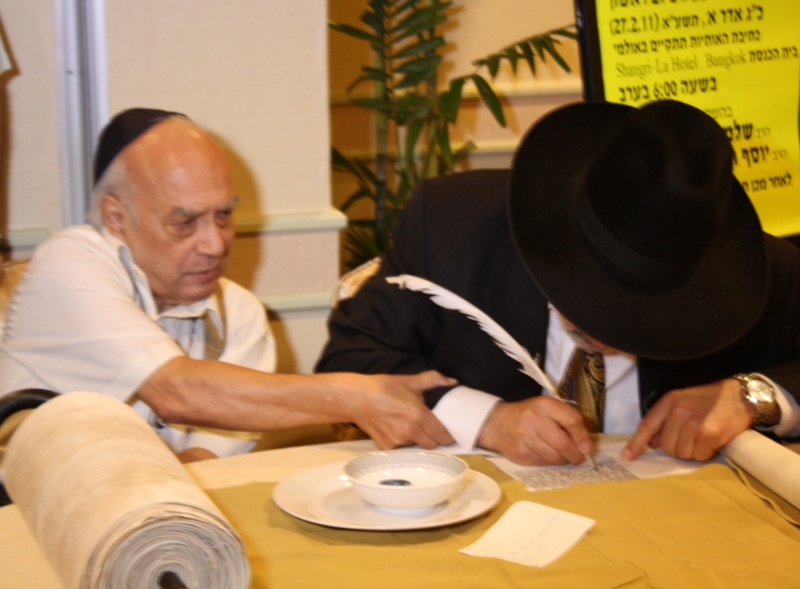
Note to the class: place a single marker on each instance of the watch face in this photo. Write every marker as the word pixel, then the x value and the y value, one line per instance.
pixel 760 391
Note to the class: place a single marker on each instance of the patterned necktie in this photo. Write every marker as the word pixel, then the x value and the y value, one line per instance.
pixel 584 383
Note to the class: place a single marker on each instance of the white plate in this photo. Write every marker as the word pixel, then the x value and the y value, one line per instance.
pixel 324 495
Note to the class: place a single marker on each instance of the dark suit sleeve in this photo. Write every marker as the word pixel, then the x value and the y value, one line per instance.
pixel 384 329
pixel 771 347
pixel 784 312
pixel 453 232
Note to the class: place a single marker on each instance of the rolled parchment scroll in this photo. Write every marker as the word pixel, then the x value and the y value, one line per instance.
pixel 110 505
pixel 775 466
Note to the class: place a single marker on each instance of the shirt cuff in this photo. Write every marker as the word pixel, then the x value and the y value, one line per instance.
pixel 464 411
pixel 789 425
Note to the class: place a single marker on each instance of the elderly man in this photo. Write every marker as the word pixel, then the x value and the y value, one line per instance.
pixel 136 307
pixel 622 254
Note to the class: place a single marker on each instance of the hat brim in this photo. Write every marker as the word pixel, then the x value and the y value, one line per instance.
pixel 709 310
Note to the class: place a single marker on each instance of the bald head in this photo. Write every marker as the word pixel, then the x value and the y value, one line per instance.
pixel 171 155
pixel 162 150
pixel 168 197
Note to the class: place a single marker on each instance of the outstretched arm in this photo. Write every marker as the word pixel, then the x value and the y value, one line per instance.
pixel 215 394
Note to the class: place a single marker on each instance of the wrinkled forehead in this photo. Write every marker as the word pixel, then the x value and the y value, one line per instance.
pixel 175 142
pixel 177 164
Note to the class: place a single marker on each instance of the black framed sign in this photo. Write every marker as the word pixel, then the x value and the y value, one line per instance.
pixel 735 59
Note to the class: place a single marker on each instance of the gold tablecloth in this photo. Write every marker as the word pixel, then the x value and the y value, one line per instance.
pixel 704 530
pixel 701 530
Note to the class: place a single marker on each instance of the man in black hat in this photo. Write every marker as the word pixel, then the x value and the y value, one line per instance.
pixel 136 307
pixel 621 253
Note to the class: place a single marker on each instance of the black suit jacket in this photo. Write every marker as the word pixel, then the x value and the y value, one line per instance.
pixel 454 232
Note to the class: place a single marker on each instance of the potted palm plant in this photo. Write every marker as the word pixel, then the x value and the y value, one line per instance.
pixel 413 113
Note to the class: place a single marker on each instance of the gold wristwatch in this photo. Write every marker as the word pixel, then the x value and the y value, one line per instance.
pixel 761 395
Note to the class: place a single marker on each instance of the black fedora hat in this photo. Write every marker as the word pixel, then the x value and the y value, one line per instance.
pixel 633 226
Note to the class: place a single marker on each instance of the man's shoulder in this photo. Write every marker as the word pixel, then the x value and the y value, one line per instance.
pixel 71 240
pixel 75 250
pixel 783 250
pixel 783 258
pixel 468 204
pixel 76 257
pixel 77 233
pixel 484 188
pixel 488 177
pixel 455 232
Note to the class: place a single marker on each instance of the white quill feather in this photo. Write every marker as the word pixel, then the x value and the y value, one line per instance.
pixel 449 300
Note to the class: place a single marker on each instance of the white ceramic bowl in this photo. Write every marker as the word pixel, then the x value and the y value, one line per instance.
pixel 406 480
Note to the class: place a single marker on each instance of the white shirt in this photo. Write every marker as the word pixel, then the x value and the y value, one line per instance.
pixel 464 411
pixel 83 318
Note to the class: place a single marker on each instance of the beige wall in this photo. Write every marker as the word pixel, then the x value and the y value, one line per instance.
pixel 30 201
pixel 252 71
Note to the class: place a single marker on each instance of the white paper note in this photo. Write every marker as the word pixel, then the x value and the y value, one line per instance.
pixel 531 534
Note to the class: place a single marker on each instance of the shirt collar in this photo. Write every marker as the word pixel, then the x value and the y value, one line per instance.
pixel 616 365
pixel 144 294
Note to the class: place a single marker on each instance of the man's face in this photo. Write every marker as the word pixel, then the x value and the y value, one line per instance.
pixel 177 221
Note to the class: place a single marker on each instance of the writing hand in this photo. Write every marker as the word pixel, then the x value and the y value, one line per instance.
pixel 537 431
pixel 693 423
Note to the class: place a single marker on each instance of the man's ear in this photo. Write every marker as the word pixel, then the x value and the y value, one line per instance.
pixel 113 214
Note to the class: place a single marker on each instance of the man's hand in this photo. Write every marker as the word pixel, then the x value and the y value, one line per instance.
pixel 693 423
pixel 195 455
pixel 389 408
pixel 393 412
pixel 537 431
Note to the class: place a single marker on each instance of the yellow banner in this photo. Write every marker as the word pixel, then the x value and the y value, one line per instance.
pixel 734 59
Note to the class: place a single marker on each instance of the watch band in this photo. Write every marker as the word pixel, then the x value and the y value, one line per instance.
pixel 761 395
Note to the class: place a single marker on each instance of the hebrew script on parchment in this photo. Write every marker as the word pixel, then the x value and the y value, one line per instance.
pixel 652 463
pixel 557 477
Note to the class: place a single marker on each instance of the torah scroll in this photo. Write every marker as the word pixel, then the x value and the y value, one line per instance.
pixel 775 466
pixel 110 505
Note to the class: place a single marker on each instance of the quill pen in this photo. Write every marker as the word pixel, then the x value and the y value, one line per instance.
pixel 449 300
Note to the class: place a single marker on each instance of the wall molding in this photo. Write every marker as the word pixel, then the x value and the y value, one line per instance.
pixel 301 301
pixel 24 239
pixel 527 89
pixel 499 147
pixel 330 219
pixel 27 239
